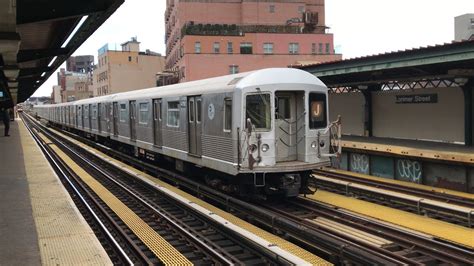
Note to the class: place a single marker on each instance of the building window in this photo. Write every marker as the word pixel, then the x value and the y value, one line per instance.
pixel 327 48
pixel 233 69
pixel 293 48
pixel 143 114
pixel 173 114
pixel 300 9
pixel 129 59
pixel 271 8
pixel 227 114
pixel 123 112
pixel 197 47
pixel 230 48
pixel 246 48
pixel 216 47
pixel 320 48
pixel 268 48
pixel 313 48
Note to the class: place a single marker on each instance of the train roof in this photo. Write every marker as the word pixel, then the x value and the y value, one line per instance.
pixel 226 83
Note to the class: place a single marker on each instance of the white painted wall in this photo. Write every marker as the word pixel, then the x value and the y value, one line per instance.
pixel 442 121
pixel 351 108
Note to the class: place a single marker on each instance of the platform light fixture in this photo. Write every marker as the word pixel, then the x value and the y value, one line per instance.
pixel 52 61
pixel 74 31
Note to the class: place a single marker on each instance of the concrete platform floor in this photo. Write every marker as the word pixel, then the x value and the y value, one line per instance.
pixel 39 223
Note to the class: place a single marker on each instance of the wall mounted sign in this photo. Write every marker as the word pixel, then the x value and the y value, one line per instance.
pixel 417 98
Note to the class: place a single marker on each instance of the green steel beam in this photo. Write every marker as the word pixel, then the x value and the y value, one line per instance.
pixel 449 53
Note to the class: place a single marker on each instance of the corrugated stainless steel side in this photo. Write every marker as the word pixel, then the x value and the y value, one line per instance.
pixel 175 139
pixel 217 147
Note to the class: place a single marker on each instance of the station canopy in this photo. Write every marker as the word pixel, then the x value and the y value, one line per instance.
pixel 37 36
pixel 447 64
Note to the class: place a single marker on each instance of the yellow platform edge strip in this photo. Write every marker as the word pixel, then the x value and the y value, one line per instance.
pixel 443 230
pixel 68 240
pixel 415 152
pixel 288 246
pixel 403 183
pixel 157 244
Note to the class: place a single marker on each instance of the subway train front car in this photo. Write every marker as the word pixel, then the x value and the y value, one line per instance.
pixel 258 133
pixel 283 130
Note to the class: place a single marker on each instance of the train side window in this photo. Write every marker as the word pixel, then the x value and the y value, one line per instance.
pixel 123 112
pixel 173 114
pixel 160 110
pixel 143 114
pixel 191 111
pixel 227 114
pixel 317 108
pixel 94 112
pixel 198 110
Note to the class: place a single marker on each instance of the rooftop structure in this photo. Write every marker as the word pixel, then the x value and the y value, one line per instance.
pixel 464 27
pixel 238 36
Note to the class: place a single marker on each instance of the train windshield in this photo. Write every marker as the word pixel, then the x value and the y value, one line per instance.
pixel 258 110
pixel 317 111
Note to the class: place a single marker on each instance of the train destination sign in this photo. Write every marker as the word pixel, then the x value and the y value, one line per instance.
pixel 417 98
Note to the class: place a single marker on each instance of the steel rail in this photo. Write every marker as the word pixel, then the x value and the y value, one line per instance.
pixel 436 249
pixel 443 197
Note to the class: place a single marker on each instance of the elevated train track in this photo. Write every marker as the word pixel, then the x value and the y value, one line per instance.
pixel 442 206
pixel 320 239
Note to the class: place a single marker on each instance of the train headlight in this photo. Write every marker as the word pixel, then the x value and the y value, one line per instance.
pixel 314 144
pixel 265 147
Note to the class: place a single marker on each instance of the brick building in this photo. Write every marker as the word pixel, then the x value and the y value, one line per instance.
pixel 206 38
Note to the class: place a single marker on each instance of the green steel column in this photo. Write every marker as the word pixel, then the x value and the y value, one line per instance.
pixel 468 112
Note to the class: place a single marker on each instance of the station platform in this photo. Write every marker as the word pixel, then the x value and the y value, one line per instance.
pixel 409 221
pixel 39 223
pixel 414 148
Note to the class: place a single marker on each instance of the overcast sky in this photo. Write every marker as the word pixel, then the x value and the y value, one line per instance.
pixel 360 28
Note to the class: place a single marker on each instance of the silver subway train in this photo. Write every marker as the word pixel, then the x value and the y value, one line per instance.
pixel 260 132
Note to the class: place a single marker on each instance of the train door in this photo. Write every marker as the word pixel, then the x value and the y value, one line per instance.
pixel 115 118
pixel 133 126
pixel 157 120
pixel 286 126
pixel 194 125
pixel 99 117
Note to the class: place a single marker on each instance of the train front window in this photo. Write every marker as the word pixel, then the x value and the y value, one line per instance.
pixel 258 110
pixel 317 111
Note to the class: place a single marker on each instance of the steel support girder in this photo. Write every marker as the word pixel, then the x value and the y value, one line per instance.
pixel 30 11
pixel 30 72
pixel 36 54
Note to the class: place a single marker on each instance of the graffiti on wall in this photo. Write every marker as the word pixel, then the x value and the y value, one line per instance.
pixel 409 170
pixel 360 163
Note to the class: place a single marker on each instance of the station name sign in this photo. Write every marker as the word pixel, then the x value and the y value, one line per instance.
pixel 417 98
